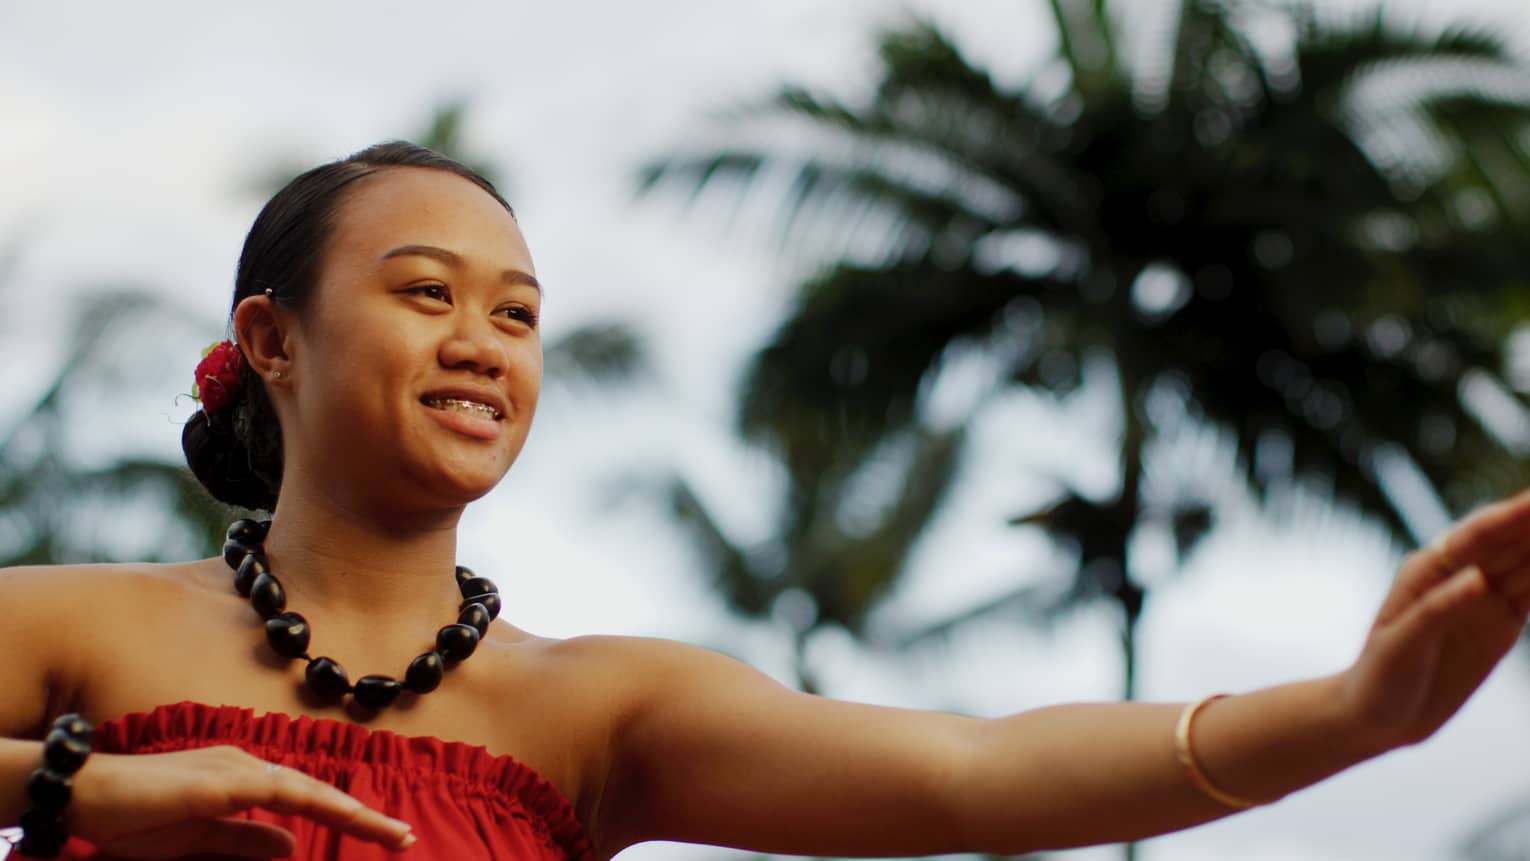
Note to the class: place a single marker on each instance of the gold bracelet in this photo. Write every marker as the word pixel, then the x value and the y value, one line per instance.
pixel 1186 756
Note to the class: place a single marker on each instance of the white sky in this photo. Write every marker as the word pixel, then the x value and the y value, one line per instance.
pixel 131 131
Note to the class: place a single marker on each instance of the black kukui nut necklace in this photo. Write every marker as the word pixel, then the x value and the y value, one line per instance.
pixel 288 632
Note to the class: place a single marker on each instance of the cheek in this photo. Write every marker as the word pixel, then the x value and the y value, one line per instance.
pixel 529 372
pixel 350 391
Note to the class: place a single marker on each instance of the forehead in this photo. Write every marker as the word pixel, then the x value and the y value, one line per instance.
pixel 423 206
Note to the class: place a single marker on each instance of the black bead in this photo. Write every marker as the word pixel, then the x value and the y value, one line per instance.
pixel 267 596
pixel 38 820
pixel 253 566
pixel 234 552
pixel 247 531
pixel 424 674
pixel 456 642
pixel 477 615
pixel 464 574
pixel 49 791
pixel 478 586
pixel 65 753
pixel 376 692
pixel 287 634
pixel 75 725
pixel 327 678
pixel 481 590
pixel 42 834
pixel 490 602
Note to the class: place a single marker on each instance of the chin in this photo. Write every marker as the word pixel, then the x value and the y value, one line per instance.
pixel 464 483
pixel 456 477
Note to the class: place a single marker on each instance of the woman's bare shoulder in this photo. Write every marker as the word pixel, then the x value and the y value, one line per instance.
pixel 57 620
pixel 77 585
pixel 604 647
pixel 60 592
pixel 644 661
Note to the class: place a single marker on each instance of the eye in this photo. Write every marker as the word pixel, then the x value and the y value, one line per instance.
pixel 432 291
pixel 519 313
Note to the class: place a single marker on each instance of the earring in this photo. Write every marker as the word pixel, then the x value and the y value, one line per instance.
pixel 276 375
pixel 268 292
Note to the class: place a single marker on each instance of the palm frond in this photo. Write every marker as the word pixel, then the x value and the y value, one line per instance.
pixel 1032 605
pixel 846 368
pixel 733 574
pixel 597 352
pixel 1086 43
pixel 861 569
pixel 1332 55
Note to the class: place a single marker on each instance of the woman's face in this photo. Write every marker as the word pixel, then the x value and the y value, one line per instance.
pixel 415 371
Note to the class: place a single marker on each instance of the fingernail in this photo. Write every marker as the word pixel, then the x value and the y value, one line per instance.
pixel 407 841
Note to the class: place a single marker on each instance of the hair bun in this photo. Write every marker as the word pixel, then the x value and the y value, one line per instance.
pixel 222 463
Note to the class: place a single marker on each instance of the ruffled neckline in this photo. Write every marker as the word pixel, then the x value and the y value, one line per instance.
pixel 322 746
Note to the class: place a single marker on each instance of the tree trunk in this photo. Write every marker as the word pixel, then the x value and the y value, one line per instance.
pixel 1129 654
pixel 1129 596
pixel 806 681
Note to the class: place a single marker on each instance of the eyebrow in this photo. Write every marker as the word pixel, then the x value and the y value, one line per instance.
pixel 452 258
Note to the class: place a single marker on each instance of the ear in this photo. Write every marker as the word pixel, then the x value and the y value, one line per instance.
pixel 261 330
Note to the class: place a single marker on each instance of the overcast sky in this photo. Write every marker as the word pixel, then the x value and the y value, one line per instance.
pixel 133 133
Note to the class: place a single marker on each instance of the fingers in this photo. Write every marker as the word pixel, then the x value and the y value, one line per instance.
pixel 1507 572
pixel 1456 592
pixel 1495 539
pixel 1427 662
pixel 1421 572
pixel 1500 528
pixel 244 781
pixel 166 804
pixel 289 791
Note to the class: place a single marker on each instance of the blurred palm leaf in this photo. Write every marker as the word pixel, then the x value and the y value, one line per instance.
pixel 598 352
pixel 826 562
pixel 53 503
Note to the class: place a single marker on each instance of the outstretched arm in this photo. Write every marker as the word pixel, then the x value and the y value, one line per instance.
pixel 708 750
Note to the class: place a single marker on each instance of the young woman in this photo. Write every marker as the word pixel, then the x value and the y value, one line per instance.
pixel 385 375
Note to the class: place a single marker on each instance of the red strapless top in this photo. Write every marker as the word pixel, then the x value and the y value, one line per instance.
pixel 462 802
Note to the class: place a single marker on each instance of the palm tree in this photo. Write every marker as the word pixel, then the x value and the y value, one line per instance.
pixel 47 490
pixel 50 493
pixel 1309 246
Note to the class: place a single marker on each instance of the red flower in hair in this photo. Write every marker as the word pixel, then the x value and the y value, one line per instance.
pixel 218 378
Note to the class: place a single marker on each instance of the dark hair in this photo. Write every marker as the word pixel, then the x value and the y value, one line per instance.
pixel 236 453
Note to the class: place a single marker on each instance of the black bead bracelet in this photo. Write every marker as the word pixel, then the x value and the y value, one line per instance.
pixel 49 788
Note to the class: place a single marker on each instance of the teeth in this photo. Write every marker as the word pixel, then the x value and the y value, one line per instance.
pixel 458 405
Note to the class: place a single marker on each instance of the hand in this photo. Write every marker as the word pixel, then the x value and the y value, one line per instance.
pixel 169 805
pixel 1456 608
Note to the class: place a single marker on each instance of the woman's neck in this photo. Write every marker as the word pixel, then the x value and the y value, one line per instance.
pixel 378 567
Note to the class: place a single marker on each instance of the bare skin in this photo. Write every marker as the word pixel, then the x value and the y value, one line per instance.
pixel 649 739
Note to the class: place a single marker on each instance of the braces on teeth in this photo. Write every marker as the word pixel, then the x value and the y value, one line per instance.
pixel 468 406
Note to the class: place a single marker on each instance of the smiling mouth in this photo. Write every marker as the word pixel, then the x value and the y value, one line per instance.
pixel 457 405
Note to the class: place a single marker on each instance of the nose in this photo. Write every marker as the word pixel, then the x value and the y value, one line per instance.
pixel 473 344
